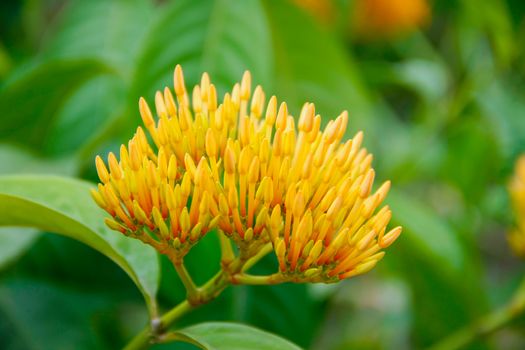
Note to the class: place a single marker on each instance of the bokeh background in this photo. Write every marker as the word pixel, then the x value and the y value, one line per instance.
pixel 437 86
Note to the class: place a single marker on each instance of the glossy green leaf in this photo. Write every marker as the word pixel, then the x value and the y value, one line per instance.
pixel 30 102
pixel 14 160
pixel 64 206
pixel 86 114
pixel 14 241
pixel 222 37
pixel 114 37
pixel 232 336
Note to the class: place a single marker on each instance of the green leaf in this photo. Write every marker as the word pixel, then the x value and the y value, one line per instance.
pixel 114 37
pixel 502 104
pixel 445 281
pixel 14 160
pixel 30 102
pixel 431 235
pixel 93 107
pixel 14 241
pixel 64 206
pixel 222 37
pixel 231 336
pixel 311 66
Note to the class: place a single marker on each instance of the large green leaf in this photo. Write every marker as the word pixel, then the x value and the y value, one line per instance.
pixel 14 241
pixel 312 66
pixel 64 206
pixel 446 286
pixel 86 114
pixel 14 160
pixel 30 102
pixel 223 37
pixel 232 336
pixel 114 37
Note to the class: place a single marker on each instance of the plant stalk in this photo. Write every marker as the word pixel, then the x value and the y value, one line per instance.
pixel 206 293
pixel 243 278
pixel 146 338
pixel 191 289
pixel 487 324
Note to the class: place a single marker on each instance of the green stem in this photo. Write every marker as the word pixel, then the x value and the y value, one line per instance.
pixel 266 249
pixel 209 291
pixel 244 278
pixel 145 337
pixel 487 324
pixel 187 281
pixel 174 314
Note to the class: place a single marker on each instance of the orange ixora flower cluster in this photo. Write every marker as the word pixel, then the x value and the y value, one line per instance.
pixel 516 236
pixel 247 168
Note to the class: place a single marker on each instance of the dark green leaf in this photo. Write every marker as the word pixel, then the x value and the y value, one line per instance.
pixel 222 37
pixel 110 31
pixel 86 114
pixel 30 103
pixel 312 67
pixel 64 206
pixel 232 336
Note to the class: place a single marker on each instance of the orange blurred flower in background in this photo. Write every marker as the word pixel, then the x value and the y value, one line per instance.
pixel 372 18
pixel 516 236
pixel 387 18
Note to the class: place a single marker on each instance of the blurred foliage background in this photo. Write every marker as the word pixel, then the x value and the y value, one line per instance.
pixel 438 87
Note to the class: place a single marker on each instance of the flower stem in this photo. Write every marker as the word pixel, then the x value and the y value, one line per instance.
pixel 244 278
pixel 145 337
pixel 206 293
pixel 487 324
pixel 266 249
pixel 187 281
